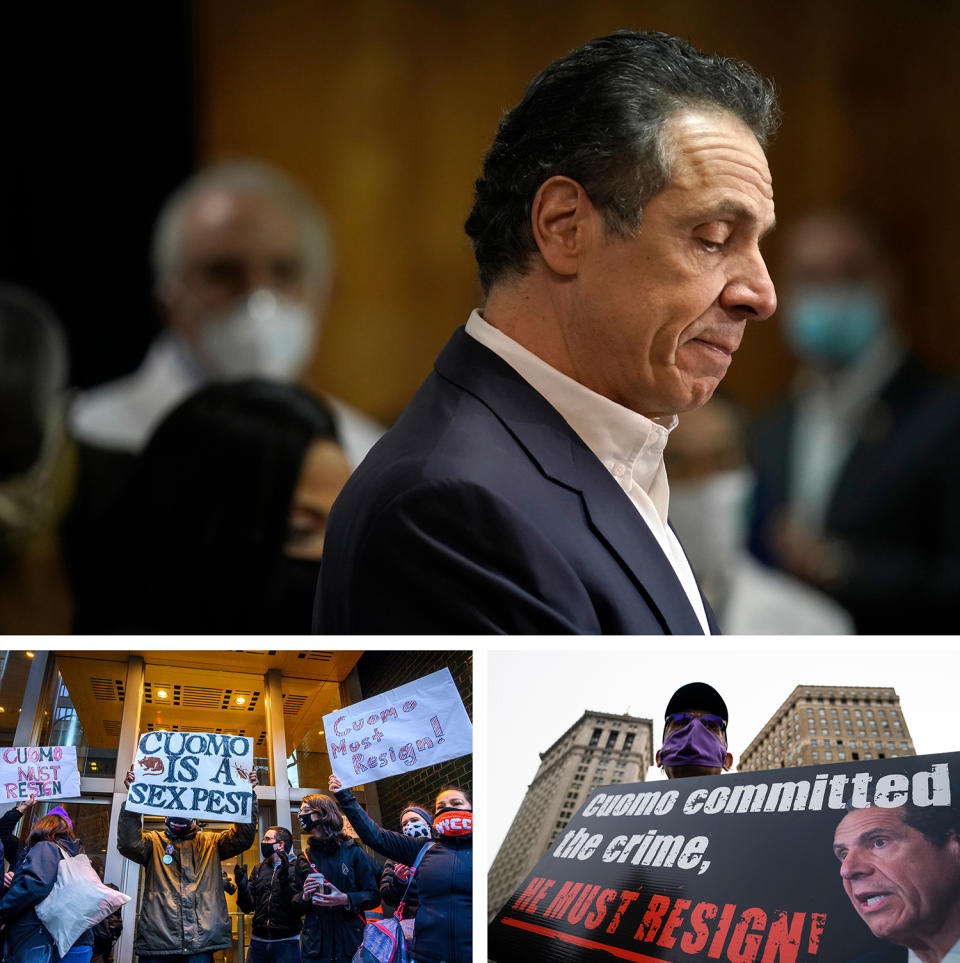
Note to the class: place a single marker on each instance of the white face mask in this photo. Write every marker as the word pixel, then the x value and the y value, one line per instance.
pixel 710 517
pixel 265 335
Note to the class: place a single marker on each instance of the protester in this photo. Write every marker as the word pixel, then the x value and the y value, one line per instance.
pixel 183 912
pixel 27 939
pixel 616 226
pixel 443 926
pixel 694 733
pixel 395 882
pixel 267 893
pixel 901 870
pixel 857 469
pixel 333 883
pixel 711 489
pixel 222 526
pixel 12 846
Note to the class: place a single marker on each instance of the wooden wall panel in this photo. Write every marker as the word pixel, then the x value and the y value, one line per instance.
pixel 383 109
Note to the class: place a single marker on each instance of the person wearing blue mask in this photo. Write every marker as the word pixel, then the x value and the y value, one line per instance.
pixel 856 471
pixel 695 733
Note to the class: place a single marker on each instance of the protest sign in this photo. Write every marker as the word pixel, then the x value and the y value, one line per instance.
pixel 194 775
pixel 746 868
pixel 415 725
pixel 47 772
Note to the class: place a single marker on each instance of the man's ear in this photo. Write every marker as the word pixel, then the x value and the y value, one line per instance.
pixel 727 761
pixel 656 757
pixel 559 216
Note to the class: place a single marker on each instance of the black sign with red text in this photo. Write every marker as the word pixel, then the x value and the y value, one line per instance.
pixel 825 863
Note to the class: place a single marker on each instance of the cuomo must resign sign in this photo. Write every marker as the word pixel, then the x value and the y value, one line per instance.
pixel 781 866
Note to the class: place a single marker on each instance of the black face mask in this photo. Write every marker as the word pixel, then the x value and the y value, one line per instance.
pixel 268 850
pixel 306 821
pixel 177 827
pixel 287 607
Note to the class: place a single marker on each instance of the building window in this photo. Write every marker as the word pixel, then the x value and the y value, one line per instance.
pixel 628 741
pixel 595 738
pixel 612 739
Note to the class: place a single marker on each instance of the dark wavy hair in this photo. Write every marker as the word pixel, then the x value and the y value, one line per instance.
pixel 50 828
pixel 597 115
pixel 331 820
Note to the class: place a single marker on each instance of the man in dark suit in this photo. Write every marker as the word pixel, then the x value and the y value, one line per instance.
pixel 616 226
pixel 901 870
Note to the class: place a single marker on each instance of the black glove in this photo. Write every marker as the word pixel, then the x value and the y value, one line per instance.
pixel 240 875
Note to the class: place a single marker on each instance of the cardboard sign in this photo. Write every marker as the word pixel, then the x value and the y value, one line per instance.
pixel 415 725
pixel 746 868
pixel 47 772
pixel 194 775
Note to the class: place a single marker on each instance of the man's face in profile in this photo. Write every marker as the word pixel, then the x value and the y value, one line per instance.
pixel 903 886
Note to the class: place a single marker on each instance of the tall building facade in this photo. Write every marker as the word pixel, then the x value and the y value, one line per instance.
pixel 597 750
pixel 818 724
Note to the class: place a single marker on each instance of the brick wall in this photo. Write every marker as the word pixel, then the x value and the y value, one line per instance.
pixel 380 671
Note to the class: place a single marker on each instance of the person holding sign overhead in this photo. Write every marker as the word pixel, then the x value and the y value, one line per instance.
pixel 183 914
pixel 333 883
pixel 443 930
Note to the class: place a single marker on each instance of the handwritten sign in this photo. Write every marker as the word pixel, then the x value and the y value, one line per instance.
pixel 194 775
pixel 757 867
pixel 415 725
pixel 47 772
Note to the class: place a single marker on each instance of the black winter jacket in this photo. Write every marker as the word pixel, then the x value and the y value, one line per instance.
pixel 11 843
pixel 392 889
pixel 268 894
pixel 443 932
pixel 32 882
pixel 334 933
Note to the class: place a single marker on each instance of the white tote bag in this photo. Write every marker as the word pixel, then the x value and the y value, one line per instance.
pixel 77 901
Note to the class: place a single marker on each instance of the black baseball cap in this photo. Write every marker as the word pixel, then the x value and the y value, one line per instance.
pixel 699 697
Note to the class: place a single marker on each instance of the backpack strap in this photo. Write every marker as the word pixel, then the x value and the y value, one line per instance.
pixel 413 872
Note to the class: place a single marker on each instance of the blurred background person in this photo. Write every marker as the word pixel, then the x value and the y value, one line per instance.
pixel 12 847
pixel 26 937
pixel 711 489
pixel 243 267
pixel 37 465
pixel 857 470
pixel 108 930
pixel 221 527
pixel 333 883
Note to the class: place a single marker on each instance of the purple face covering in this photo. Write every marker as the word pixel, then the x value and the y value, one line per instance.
pixel 692 745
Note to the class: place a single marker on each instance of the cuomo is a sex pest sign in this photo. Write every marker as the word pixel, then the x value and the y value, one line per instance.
pixel 843 863
pixel 415 725
pixel 195 775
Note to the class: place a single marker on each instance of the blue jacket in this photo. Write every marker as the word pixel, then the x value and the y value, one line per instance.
pixel 443 932
pixel 482 511
pixel 32 881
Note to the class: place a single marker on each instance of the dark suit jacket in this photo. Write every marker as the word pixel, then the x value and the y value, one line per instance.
pixel 480 511
pixel 890 953
pixel 895 508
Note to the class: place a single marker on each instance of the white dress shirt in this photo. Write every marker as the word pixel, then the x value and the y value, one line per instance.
pixel 629 445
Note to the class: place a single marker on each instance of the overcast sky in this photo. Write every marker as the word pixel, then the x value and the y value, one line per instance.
pixel 534 696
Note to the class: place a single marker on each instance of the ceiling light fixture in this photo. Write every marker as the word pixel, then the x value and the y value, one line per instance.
pixel 240 700
pixel 161 693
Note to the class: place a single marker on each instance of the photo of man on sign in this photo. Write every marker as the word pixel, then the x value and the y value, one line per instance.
pixel 901 870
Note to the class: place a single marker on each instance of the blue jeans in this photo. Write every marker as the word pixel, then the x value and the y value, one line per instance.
pixel 178 958
pixel 274 951
pixel 48 954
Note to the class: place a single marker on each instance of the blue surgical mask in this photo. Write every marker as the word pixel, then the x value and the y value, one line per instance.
pixel 834 324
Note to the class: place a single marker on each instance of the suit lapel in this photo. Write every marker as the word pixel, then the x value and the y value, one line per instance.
pixel 565 460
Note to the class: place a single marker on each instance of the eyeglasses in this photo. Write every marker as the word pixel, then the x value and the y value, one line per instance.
pixel 712 722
